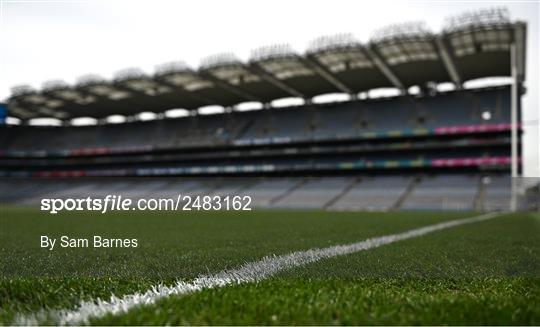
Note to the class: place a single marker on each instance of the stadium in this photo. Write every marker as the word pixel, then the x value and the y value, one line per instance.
pixel 430 155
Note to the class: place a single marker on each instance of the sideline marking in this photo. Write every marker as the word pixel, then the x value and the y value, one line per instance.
pixel 249 272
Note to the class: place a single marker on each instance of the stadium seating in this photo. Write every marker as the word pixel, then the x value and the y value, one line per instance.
pixel 268 190
pixel 316 122
pixel 443 192
pixel 394 174
pixel 314 193
pixel 372 193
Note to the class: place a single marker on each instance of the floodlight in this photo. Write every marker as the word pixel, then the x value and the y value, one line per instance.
pixel 128 73
pixel 339 52
pixel 220 59
pixel 22 90
pixel 54 85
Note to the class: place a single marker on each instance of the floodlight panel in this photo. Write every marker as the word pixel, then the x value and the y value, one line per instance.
pixel 188 81
pixel 339 60
pixel 72 95
pixel 286 68
pixel 147 86
pixel 473 41
pixel 34 99
pixel 108 91
pixel 408 51
pixel 234 75
pixel 53 103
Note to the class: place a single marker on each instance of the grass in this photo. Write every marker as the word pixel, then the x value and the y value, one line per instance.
pixel 363 301
pixel 490 265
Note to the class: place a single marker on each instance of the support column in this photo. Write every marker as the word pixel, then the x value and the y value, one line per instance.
pixel 514 127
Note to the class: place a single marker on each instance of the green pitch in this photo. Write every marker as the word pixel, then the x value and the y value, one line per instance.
pixel 482 273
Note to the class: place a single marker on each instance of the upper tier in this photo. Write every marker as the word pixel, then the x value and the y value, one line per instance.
pixel 486 110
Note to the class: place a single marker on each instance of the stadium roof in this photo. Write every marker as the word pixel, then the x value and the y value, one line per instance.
pixel 470 46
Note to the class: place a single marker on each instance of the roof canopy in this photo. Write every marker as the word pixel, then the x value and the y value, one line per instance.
pixel 471 46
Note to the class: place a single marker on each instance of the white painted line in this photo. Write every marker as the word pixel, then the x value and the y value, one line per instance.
pixel 249 272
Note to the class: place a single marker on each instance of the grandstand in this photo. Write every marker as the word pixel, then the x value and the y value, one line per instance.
pixel 431 149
